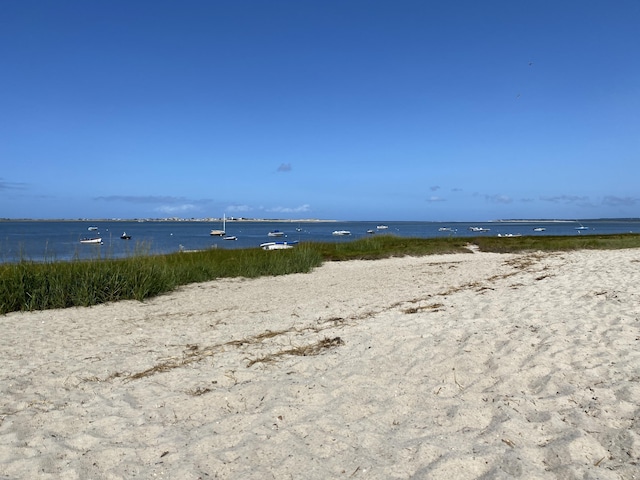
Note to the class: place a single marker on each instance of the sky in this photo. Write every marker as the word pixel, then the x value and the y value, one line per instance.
pixel 448 110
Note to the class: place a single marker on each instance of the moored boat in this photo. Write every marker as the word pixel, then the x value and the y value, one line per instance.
pixel 275 233
pixel 125 236
pixel 97 240
pixel 220 233
pixel 341 232
pixel 277 245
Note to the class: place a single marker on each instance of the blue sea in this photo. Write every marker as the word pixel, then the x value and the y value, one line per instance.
pixel 60 240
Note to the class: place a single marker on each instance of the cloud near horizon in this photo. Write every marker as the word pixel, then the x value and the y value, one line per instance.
pixel 4 185
pixel 504 199
pixel 613 201
pixel 567 199
pixel 302 208
pixel 176 209
pixel 238 208
pixel 142 199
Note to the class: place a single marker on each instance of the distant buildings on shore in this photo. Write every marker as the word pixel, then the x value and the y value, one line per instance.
pixel 167 219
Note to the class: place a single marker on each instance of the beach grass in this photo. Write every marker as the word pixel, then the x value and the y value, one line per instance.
pixel 28 285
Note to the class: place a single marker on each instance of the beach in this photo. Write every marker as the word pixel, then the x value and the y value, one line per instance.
pixel 460 366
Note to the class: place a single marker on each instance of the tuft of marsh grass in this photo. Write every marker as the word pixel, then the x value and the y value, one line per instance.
pixel 556 243
pixel 384 246
pixel 28 285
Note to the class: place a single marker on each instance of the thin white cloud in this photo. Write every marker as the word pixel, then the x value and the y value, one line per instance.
pixel 176 209
pixel 566 199
pixel 284 167
pixel 302 208
pixel 165 203
pixel 435 198
pixel 238 208
pixel 498 199
pixel 142 199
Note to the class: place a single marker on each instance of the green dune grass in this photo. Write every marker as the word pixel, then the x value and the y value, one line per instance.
pixel 27 285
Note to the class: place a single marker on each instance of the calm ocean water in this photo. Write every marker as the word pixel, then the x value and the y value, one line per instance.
pixel 60 240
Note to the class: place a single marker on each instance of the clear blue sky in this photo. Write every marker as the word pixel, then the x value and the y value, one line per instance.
pixel 335 109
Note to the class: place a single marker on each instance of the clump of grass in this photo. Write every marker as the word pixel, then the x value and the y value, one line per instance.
pixel 29 285
pixel 557 243
pixel 384 246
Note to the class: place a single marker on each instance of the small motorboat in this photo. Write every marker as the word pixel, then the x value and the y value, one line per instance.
pixel 277 245
pixel 124 236
pixel 341 232
pixel 275 233
pixel 229 237
pixel 92 241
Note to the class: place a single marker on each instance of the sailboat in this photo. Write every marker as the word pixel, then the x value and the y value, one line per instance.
pixel 220 233
pixel 581 227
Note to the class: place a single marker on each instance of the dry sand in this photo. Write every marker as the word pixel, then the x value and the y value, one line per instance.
pixel 446 367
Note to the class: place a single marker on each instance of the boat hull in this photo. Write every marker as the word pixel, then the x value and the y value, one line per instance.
pixel 91 241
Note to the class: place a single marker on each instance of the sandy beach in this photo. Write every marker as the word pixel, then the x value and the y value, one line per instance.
pixel 465 366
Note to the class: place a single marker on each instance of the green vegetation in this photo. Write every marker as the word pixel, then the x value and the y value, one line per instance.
pixel 28 285
pixel 557 243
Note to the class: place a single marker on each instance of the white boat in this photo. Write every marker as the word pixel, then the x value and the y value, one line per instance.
pixel 382 227
pixel 539 229
pixel 277 245
pixel 341 232
pixel 124 236
pixel 92 228
pixel 478 229
pixel 275 233
pixel 510 235
pixel 97 240
pixel 220 233
pixel 582 227
pixel 446 229
pixel 229 237
pixel 371 231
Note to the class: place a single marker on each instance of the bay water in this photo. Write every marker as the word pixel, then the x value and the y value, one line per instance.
pixel 44 240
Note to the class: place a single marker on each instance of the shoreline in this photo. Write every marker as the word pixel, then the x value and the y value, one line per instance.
pixel 311 220
pixel 446 366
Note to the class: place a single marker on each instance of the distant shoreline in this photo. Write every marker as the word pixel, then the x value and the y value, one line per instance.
pixel 145 220
pixel 312 220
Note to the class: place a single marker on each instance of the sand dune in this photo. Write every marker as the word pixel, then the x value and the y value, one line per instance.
pixel 467 366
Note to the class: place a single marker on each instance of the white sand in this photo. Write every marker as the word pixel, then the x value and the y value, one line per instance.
pixel 446 367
